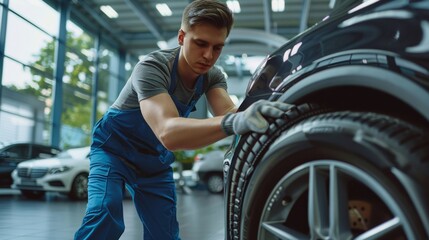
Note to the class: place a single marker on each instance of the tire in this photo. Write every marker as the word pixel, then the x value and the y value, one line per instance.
pixel 32 194
pixel 79 190
pixel 361 158
pixel 215 183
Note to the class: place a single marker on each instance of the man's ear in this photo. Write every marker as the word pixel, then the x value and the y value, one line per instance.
pixel 180 37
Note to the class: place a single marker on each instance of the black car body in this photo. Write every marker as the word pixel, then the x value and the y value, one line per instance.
pixel 351 160
pixel 13 154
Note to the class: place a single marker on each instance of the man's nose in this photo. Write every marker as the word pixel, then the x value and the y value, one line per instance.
pixel 208 53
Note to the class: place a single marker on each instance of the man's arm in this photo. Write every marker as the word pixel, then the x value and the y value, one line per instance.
pixel 176 132
pixel 220 102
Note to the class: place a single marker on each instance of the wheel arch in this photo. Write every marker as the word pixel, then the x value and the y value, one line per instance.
pixel 209 173
pixel 86 172
pixel 363 88
pixel 72 193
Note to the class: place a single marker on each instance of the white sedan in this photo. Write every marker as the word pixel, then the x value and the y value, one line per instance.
pixel 66 173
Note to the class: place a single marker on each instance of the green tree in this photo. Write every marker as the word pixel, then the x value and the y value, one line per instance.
pixel 77 80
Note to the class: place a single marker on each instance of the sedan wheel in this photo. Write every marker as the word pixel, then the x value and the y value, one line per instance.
pixel 79 189
pixel 341 175
pixel 332 200
pixel 215 183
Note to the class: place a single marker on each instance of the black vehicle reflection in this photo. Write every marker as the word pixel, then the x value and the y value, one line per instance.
pixel 13 154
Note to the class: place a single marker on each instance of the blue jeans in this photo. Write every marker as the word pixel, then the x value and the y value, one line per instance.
pixel 154 198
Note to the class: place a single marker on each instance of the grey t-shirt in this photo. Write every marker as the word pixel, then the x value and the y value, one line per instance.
pixel 152 76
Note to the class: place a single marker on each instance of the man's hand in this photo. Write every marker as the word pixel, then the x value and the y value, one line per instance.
pixel 253 119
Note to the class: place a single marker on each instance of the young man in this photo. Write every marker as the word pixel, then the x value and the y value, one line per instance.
pixel 133 141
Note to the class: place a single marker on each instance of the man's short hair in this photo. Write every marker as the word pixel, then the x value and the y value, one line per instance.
pixel 207 11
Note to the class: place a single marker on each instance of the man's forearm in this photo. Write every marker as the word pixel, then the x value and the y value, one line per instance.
pixel 189 133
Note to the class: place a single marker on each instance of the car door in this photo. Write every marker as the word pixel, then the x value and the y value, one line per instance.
pixel 9 159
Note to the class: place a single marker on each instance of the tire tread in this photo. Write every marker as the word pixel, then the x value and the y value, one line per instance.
pixel 253 146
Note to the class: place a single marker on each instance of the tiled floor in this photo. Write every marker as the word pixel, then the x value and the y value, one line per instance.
pixel 200 215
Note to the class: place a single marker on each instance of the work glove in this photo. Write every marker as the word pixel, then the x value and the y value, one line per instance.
pixel 253 119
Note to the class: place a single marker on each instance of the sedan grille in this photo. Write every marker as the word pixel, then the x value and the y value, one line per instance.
pixel 32 172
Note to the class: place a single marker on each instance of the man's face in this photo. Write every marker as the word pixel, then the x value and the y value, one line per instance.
pixel 201 46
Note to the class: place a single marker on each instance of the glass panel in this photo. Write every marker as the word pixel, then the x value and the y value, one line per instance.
pixel 77 84
pixel 108 79
pixel 26 102
pixel 77 102
pixel 41 47
pixel 20 121
pixel 39 13
pixel 109 60
pixel 26 80
pixel 1 10
pixel 129 66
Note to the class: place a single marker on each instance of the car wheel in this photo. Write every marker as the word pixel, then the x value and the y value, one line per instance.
pixel 337 175
pixel 215 183
pixel 79 190
pixel 31 194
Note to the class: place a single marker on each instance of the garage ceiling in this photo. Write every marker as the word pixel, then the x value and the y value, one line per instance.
pixel 257 29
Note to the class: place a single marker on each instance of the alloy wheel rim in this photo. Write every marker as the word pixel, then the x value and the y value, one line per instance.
pixel 215 184
pixel 82 186
pixel 330 213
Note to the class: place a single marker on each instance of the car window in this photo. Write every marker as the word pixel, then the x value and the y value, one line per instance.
pixel 43 152
pixel 17 151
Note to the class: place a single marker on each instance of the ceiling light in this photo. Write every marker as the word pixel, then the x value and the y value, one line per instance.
pixel 109 11
pixel 277 5
pixel 163 9
pixel 234 5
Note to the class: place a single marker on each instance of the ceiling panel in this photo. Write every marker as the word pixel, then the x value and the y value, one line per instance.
pixel 139 19
pixel 140 26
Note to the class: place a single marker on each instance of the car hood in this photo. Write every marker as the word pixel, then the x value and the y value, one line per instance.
pixel 50 162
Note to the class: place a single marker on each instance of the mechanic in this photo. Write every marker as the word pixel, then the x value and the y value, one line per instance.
pixel 133 142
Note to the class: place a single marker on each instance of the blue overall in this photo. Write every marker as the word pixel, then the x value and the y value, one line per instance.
pixel 126 153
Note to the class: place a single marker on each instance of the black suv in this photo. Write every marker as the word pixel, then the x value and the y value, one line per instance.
pixel 351 159
pixel 13 154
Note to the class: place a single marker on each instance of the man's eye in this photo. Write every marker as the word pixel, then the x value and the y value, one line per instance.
pixel 200 44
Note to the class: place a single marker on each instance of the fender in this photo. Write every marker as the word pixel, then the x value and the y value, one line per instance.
pixel 413 94
pixel 360 37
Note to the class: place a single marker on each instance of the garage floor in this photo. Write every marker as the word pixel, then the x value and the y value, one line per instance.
pixel 200 215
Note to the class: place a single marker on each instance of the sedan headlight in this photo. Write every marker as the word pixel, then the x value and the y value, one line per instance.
pixel 59 169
